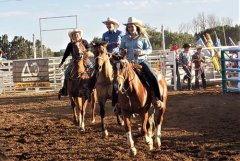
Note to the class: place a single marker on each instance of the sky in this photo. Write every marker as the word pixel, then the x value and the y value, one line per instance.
pixel 21 17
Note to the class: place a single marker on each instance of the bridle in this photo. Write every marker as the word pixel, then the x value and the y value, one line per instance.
pixel 124 78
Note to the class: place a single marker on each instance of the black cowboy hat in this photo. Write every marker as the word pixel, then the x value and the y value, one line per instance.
pixel 186 45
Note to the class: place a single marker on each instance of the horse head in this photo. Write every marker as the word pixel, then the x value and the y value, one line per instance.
pixel 100 53
pixel 124 72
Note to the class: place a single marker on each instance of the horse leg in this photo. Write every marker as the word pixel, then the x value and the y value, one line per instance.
pixel 118 112
pixel 130 142
pixel 147 130
pixel 73 105
pixel 93 105
pixel 84 105
pixel 102 113
pixel 78 102
pixel 158 117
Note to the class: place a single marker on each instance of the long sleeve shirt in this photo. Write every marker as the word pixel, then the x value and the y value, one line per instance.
pixel 185 58
pixel 132 44
pixel 69 50
pixel 198 58
pixel 113 39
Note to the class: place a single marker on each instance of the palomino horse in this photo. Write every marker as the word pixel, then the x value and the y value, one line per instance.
pixel 104 82
pixel 135 97
pixel 77 84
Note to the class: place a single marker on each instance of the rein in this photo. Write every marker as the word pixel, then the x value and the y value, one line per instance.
pixel 123 77
pixel 200 69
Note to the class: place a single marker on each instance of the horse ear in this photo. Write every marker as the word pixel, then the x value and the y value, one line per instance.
pixel 89 54
pixel 105 43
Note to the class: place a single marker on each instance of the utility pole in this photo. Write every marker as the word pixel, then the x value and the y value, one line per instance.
pixel 34 48
pixel 163 38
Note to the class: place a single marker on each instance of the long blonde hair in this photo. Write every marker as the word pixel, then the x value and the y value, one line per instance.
pixel 140 29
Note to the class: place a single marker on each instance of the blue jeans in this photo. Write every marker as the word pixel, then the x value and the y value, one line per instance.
pixel 152 78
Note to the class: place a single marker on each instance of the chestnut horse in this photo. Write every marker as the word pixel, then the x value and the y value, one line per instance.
pixel 135 97
pixel 77 84
pixel 104 84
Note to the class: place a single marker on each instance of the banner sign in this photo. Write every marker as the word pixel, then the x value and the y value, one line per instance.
pixel 32 70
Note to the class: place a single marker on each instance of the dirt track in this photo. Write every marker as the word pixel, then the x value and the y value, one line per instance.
pixel 199 125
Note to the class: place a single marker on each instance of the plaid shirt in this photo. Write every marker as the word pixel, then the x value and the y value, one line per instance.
pixel 185 58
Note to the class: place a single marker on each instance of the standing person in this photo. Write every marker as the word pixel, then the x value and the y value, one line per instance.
pixel 198 59
pixel 73 49
pixel 113 37
pixel 185 61
pixel 136 45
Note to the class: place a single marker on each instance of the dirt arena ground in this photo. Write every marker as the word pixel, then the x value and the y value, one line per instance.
pixel 198 125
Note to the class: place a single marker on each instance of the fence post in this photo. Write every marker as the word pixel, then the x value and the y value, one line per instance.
pixel 224 87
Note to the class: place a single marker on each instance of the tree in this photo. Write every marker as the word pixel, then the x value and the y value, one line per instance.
pixel 202 21
pixel 230 31
pixel 213 21
pixel 154 37
pixel 4 44
pixel 184 27
pixel 195 25
pixel 226 21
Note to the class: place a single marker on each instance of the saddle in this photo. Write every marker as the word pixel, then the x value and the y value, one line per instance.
pixel 142 75
pixel 79 83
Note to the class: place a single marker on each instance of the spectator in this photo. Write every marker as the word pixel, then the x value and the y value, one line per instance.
pixel 198 60
pixel 185 61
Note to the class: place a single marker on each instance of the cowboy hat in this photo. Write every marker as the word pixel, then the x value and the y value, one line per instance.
pixel 199 47
pixel 133 20
pixel 70 33
pixel 111 20
pixel 186 45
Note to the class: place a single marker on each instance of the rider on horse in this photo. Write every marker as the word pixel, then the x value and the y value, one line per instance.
pixel 136 45
pixel 113 38
pixel 75 49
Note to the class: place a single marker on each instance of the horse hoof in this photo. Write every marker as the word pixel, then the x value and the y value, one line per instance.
pixel 105 134
pixel 122 123
pixel 150 146
pixel 133 152
pixel 82 131
pixel 75 122
pixel 158 143
pixel 120 120
pixel 93 121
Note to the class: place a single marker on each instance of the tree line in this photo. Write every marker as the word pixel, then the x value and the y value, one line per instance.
pixel 21 48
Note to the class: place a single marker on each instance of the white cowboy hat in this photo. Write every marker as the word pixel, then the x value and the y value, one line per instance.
pixel 133 20
pixel 115 22
pixel 199 47
pixel 70 33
